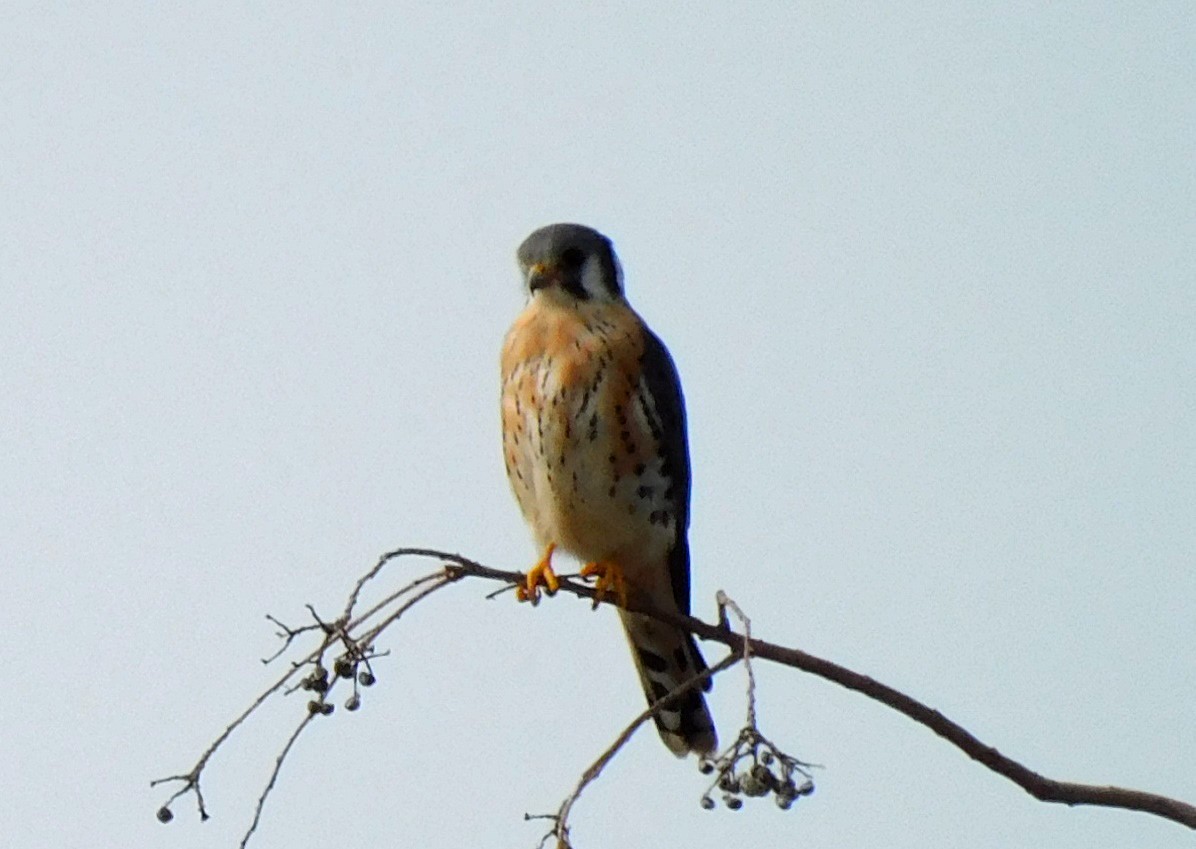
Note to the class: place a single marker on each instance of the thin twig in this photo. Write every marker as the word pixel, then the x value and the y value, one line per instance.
pixel 282 756
pixel 724 603
pixel 191 779
pixel 561 829
pixel 439 577
pixel 394 555
pixel 372 634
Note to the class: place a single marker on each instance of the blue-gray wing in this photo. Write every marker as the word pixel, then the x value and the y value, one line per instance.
pixel 666 413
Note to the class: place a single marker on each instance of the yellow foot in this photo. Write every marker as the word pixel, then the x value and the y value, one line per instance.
pixel 540 574
pixel 609 577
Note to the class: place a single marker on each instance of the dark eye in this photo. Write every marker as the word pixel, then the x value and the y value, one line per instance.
pixel 572 258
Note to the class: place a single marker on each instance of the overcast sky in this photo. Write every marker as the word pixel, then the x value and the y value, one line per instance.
pixel 928 277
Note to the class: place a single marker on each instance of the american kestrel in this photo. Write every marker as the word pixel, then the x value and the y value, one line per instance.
pixel 596 453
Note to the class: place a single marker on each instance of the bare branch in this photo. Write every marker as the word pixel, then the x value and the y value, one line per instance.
pixel 357 635
pixel 1040 787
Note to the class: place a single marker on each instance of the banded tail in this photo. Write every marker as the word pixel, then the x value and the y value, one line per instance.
pixel 667 657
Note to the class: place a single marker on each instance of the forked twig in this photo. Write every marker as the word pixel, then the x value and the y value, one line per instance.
pixel 358 646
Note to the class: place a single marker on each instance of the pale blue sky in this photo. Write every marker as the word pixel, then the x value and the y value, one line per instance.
pixel 929 280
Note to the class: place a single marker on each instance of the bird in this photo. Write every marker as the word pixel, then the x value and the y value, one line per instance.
pixel 596 452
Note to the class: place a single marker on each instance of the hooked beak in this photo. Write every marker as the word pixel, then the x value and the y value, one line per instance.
pixel 541 276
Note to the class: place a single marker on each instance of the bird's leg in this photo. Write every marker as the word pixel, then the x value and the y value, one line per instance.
pixel 540 574
pixel 609 576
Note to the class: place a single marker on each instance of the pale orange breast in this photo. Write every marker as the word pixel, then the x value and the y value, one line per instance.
pixel 578 457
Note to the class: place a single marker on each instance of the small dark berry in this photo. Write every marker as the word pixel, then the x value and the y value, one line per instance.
pixel 344 668
pixel 707 803
pixel 366 679
pixel 353 702
pixel 314 707
pixel 327 708
pixel 164 814
pixel 733 802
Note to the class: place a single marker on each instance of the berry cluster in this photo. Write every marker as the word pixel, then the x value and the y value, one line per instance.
pixel 345 667
pixel 753 767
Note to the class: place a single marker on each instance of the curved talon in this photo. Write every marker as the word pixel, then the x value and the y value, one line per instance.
pixel 609 576
pixel 539 575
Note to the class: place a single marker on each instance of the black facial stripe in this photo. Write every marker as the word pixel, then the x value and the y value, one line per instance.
pixel 571 283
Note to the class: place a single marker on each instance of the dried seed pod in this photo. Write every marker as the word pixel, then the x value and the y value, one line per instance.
pixel 763 774
pixel 753 786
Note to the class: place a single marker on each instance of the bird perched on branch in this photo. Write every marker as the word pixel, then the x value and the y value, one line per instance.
pixel 596 453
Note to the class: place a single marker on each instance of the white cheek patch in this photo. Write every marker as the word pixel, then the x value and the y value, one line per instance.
pixel 593 281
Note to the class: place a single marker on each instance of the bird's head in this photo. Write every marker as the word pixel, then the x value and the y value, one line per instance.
pixel 570 261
